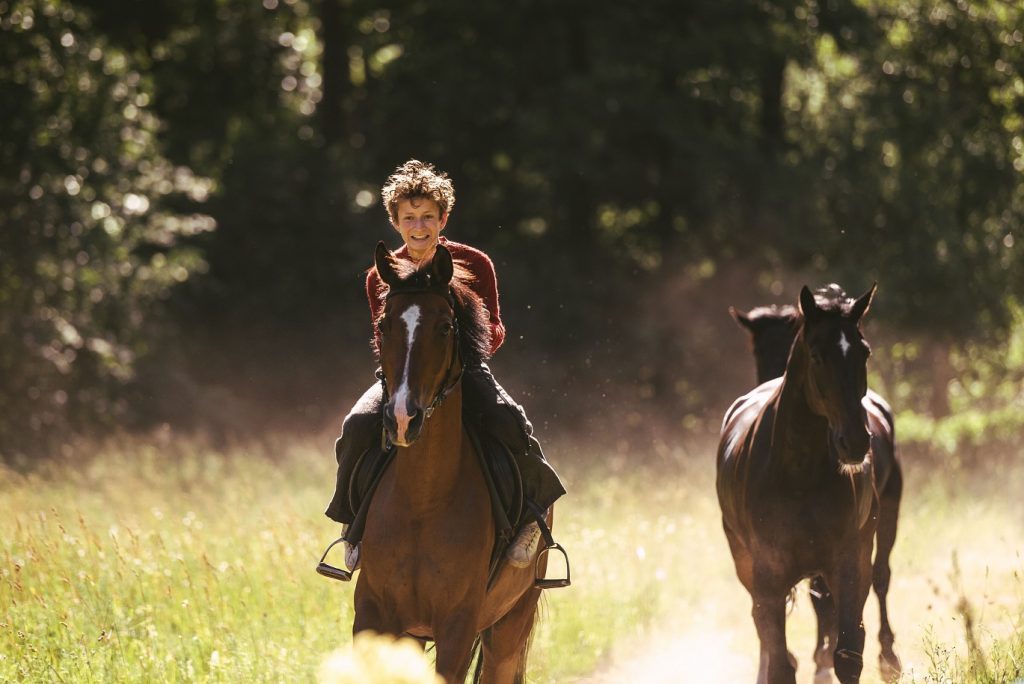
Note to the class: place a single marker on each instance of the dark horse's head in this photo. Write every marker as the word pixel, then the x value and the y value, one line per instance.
pixel 432 324
pixel 833 353
pixel 772 329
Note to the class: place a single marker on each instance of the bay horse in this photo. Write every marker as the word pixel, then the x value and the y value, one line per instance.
pixel 772 330
pixel 795 484
pixel 429 535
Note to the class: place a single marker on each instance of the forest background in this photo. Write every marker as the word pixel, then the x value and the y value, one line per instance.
pixel 189 201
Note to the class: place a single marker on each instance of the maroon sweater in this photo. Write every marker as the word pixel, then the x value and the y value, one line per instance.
pixel 484 284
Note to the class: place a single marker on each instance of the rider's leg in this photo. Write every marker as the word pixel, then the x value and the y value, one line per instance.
pixel 502 417
pixel 360 432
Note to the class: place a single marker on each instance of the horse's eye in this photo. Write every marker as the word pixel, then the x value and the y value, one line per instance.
pixel 446 328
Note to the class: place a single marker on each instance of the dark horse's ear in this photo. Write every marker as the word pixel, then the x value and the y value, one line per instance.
pixel 863 303
pixel 741 318
pixel 442 268
pixel 384 262
pixel 808 307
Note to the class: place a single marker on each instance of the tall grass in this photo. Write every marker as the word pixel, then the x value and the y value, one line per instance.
pixel 147 565
pixel 176 562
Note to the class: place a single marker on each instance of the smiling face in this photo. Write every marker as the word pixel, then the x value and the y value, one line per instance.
pixel 419 221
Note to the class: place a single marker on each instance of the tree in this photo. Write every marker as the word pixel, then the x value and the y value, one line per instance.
pixel 93 217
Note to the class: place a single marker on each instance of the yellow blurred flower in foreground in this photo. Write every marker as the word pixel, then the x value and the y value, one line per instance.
pixel 378 659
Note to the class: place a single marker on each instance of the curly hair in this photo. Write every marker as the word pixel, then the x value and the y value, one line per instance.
pixel 417 179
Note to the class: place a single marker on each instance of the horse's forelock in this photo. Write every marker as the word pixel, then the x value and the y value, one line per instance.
pixel 833 298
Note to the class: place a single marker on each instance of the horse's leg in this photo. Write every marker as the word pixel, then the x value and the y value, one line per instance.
pixel 454 645
pixel 825 609
pixel 370 614
pixel 769 614
pixel 505 644
pixel 889 510
pixel 853 583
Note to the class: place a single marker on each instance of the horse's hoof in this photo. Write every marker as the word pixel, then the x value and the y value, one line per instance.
pixel 823 676
pixel 890 666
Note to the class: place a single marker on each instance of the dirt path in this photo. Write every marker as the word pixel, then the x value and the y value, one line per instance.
pixel 719 644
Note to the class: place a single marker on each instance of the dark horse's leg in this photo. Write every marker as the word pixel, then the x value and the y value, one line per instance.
pixel 825 609
pixel 889 509
pixel 769 612
pixel 505 643
pixel 853 583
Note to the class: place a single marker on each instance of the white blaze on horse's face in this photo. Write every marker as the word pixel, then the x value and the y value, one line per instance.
pixel 411 318
pixel 844 345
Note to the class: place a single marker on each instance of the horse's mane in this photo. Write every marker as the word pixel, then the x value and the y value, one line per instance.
pixel 471 313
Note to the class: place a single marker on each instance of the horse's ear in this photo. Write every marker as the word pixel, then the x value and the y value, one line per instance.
pixel 442 267
pixel 808 307
pixel 863 303
pixel 384 262
pixel 741 318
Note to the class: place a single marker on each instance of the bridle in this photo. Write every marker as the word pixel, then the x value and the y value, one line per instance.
pixel 451 377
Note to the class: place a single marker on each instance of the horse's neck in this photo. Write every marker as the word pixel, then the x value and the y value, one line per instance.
pixel 429 470
pixel 799 435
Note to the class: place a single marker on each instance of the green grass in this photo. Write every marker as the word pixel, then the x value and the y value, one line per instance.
pixel 154 566
pixel 149 563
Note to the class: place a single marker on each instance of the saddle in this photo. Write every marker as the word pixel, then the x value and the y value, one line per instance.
pixel 495 441
pixel 501 475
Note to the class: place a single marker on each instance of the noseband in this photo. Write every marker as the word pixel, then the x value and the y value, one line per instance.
pixel 450 383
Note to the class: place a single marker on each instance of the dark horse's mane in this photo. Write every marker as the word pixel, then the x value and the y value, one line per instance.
pixel 786 312
pixel 829 297
pixel 471 313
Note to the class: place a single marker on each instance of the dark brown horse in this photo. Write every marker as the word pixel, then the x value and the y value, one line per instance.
pixel 796 484
pixel 772 330
pixel 429 534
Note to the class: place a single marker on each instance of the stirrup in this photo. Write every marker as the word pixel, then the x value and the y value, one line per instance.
pixel 549 545
pixel 557 583
pixel 326 570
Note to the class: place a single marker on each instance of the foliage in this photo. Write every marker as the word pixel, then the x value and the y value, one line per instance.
pixel 93 220
pixel 646 153
pixel 986 398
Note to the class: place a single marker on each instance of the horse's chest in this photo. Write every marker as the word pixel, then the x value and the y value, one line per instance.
pixel 805 520
pixel 425 562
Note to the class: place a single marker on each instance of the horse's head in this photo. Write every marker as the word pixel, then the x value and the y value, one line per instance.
pixel 418 341
pixel 772 330
pixel 834 353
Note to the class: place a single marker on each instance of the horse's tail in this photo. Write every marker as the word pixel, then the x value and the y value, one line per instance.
pixel 521 670
pixel 477 653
